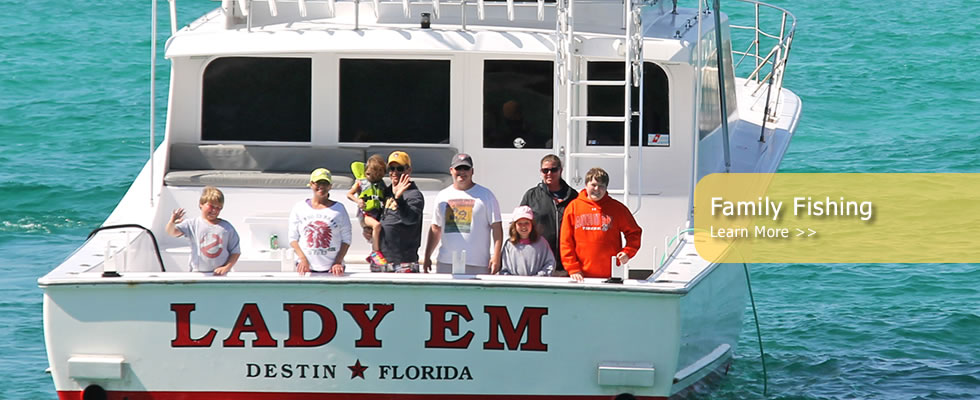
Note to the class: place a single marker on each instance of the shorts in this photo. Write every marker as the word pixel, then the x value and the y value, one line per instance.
pixel 376 214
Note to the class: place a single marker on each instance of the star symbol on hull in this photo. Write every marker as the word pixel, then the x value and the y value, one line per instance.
pixel 357 370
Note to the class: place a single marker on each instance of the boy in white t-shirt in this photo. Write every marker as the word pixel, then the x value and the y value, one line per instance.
pixel 467 216
pixel 214 242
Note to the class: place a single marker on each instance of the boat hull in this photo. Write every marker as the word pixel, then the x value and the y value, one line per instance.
pixel 327 338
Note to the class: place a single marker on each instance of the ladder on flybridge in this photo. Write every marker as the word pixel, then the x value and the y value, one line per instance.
pixel 570 79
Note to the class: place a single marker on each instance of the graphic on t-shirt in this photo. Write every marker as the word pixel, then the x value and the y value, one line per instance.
pixel 593 222
pixel 459 215
pixel 318 235
pixel 210 245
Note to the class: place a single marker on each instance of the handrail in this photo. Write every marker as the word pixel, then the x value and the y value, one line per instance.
pixel 775 59
pixel 156 247
pixel 244 7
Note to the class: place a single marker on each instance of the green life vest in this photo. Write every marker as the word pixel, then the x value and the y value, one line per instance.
pixel 373 195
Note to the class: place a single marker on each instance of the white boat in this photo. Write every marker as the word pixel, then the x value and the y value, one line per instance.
pixel 263 91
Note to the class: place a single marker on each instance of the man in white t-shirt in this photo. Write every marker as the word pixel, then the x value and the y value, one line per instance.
pixel 466 216
pixel 319 229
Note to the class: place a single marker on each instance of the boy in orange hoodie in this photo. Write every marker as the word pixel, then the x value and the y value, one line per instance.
pixel 591 229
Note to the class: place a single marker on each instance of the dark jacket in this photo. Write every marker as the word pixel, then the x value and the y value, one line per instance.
pixel 401 225
pixel 547 214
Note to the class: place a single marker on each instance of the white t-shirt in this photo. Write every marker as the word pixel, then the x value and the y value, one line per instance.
pixel 211 244
pixel 465 217
pixel 320 232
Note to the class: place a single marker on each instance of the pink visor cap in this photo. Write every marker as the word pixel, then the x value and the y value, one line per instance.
pixel 523 212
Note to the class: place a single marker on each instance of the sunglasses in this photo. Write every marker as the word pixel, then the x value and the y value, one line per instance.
pixel 462 168
pixel 550 170
pixel 400 168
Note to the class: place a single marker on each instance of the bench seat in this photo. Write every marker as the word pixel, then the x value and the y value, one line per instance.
pixel 249 179
pixel 289 166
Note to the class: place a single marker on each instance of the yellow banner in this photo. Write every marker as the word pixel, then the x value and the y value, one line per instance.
pixel 838 218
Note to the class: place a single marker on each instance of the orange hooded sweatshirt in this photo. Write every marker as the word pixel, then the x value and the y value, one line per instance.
pixel 591 235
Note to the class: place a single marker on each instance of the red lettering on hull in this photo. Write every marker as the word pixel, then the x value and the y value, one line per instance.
pixel 439 325
pixel 369 326
pixel 530 323
pixel 328 328
pixel 445 330
pixel 250 320
pixel 183 338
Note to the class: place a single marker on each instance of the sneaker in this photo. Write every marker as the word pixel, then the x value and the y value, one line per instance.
pixel 407 268
pixel 377 258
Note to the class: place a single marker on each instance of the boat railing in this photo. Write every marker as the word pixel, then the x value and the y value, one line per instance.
pixel 245 7
pixel 769 62
pixel 129 256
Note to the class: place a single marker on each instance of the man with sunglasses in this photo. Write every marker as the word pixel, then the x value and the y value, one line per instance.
pixel 548 201
pixel 466 216
pixel 401 218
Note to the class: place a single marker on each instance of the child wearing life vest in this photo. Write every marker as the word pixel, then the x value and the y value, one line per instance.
pixel 526 252
pixel 368 193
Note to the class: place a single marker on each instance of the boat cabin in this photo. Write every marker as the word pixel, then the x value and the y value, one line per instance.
pixel 258 99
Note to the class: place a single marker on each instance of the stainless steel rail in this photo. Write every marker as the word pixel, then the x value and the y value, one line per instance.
pixel 770 63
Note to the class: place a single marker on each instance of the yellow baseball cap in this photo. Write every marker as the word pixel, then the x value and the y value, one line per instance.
pixel 400 157
pixel 320 174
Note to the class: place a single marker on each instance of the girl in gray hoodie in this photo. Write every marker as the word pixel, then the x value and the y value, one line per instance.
pixel 526 252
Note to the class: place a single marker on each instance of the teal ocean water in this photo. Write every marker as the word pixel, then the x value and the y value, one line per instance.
pixel 886 86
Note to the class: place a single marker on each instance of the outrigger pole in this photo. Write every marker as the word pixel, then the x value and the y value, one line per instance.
pixel 153 81
pixel 721 85
pixel 696 133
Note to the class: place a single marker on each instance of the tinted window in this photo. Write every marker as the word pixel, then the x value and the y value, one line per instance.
pixel 608 101
pixel 518 104
pixel 256 99
pixel 394 101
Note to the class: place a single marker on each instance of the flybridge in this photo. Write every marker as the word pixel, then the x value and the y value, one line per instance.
pixel 541 14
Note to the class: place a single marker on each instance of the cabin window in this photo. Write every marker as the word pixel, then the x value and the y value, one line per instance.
pixel 256 99
pixel 518 104
pixel 608 101
pixel 394 101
